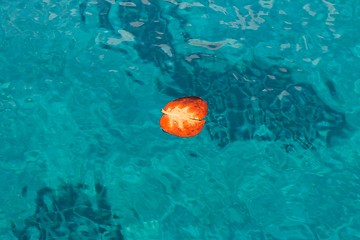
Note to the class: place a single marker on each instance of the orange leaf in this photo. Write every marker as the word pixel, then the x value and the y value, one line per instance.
pixel 183 117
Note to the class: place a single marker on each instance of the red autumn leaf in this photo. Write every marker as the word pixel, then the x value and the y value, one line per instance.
pixel 183 117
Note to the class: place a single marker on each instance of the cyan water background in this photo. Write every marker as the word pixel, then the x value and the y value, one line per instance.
pixel 81 88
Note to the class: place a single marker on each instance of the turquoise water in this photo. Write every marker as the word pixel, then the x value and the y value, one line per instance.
pixel 81 88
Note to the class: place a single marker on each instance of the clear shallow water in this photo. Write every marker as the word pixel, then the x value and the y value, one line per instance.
pixel 82 85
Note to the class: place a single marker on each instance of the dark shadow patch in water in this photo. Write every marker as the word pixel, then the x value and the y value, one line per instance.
pixel 244 103
pixel 68 212
pixel 103 7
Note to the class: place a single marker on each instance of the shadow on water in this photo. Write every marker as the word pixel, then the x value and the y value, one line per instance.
pixel 68 212
pixel 251 99
pixel 245 103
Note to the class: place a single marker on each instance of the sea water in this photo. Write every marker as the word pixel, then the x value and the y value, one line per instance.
pixel 82 86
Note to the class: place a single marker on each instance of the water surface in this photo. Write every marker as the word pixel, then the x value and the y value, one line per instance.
pixel 81 88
